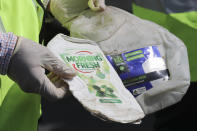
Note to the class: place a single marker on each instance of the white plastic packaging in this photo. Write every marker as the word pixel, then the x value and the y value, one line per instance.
pixel 97 86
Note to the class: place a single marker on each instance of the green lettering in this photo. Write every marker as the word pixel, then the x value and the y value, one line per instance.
pixel 84 65
pixel 98 58
pixel 70 58
pixel 78 65
pixel 96 65
pixel 80 58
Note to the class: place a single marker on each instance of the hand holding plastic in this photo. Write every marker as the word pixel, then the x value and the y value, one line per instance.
pixel 27 68
pixel 66 10
pixel 97 5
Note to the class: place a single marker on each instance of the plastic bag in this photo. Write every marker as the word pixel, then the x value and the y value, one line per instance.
pixel 119 33
pixel 97 86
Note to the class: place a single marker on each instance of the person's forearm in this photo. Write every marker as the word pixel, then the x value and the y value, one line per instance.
pixel 7 44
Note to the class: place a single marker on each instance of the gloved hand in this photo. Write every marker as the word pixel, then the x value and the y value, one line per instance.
pixel 27 68
pixel 66 10
pixel 97 5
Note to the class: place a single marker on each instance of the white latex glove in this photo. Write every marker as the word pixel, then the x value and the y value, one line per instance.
pixel 27 68
pixel 97 5
pixel 66 10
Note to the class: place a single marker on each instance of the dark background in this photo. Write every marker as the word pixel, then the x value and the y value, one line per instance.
pixel 69 115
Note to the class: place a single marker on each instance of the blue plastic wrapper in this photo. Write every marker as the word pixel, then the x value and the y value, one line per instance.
pixel 140 67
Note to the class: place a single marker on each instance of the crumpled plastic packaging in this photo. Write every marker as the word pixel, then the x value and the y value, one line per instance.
pixel 118 33
pixel 97 86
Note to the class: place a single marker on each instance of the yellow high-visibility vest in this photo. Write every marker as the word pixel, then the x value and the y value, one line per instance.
pixel 179 17
pixel 19 111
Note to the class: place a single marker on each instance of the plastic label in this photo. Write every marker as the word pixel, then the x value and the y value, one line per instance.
pixel 138 68
pixel 93 69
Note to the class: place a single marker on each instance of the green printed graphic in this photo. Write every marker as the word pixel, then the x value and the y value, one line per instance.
pixel 105 67
pixel 133 53
pixel 135 57
pixel 110 101
pixel 104 91
pixel 118 59
pixel 83 62
pixel 94 70
pixel 83 58
pixel 100 74
pixel 87 65
pixel 122 68
pixel 136 79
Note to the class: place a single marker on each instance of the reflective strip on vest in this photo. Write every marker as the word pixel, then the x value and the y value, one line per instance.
pixel 183 25
pixel 19 111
